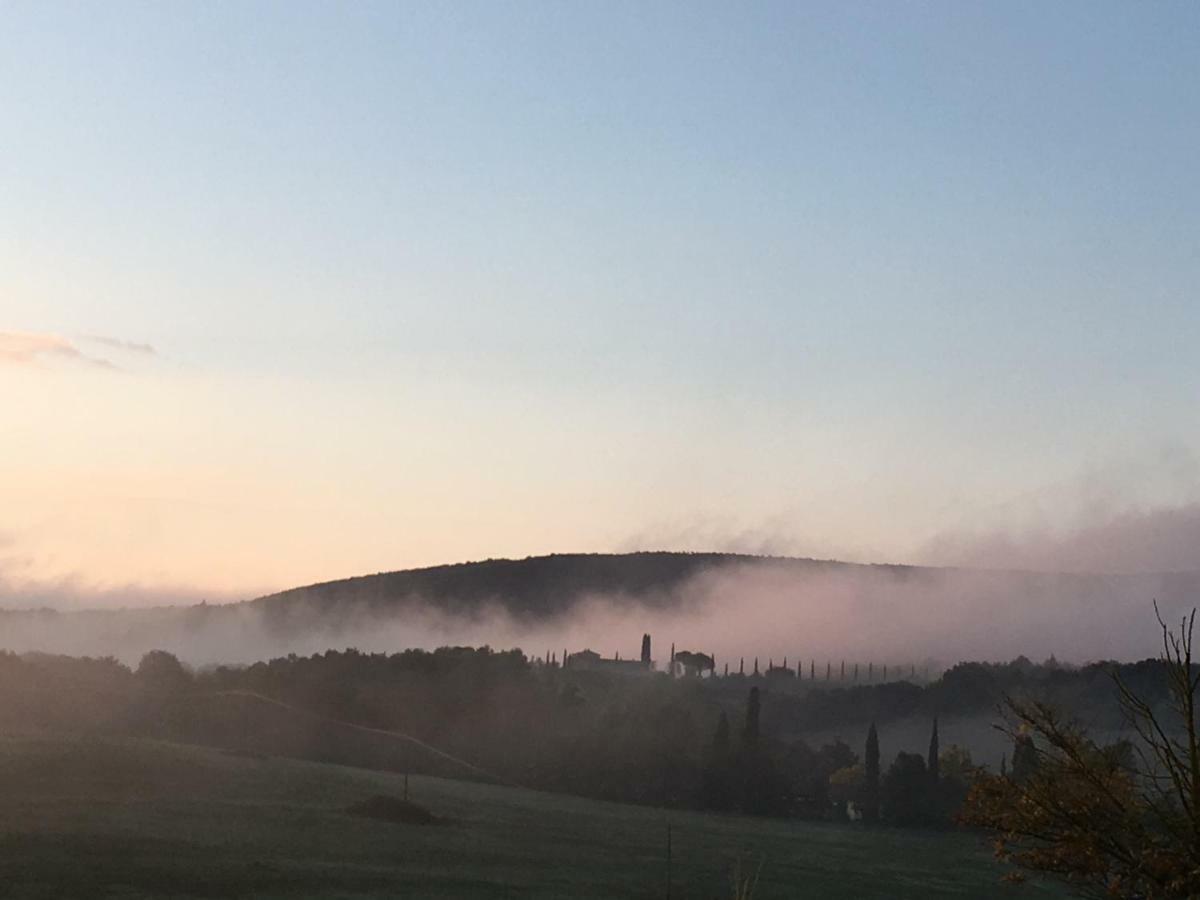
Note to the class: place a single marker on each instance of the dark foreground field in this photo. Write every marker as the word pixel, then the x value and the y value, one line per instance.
pixel 96 818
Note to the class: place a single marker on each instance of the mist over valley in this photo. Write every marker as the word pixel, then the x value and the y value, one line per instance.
pixel 733 606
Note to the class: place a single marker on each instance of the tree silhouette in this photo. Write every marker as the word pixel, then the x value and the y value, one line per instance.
pixel 163 671
pixel 871 777
pixel 1120 820
pixel 904 793
pixel 721 736
pixel 719 773
pixel 932 764
pixel 750 734
pixel 1024 758
pixel 693 663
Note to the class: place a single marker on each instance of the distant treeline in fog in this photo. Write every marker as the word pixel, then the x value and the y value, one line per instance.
pixel 739 742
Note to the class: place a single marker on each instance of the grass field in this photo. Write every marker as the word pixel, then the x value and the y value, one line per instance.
pixel 100 818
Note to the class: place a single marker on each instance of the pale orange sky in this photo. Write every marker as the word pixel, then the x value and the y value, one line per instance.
pixel 235 485
pixel 226 486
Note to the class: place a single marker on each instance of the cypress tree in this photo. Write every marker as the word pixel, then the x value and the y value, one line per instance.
pixel 672 670
pixel 828 670
pixel 870 671
pixel 646 649
pixel 726 670
pixel 742 666
pixel 1025 759
pixel 932 765
pixel 721 737
pixel 871 780
pixel 756 665
pixel 843 670
pixel 812 670
pixel 750 735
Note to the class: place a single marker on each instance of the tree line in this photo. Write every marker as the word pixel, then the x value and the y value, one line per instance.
pixel 718 744
pixel 674 742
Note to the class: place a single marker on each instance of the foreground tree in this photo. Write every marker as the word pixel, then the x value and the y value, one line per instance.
pixel 1116 821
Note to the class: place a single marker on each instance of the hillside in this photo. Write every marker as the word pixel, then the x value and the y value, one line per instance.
pixel 100 818
pixel 539 587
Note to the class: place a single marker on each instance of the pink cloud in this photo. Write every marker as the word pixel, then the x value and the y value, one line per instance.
pixel 25 349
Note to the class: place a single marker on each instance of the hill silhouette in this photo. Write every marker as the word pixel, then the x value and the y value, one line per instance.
pixel 536 587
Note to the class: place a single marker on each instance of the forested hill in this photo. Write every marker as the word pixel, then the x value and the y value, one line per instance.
pixel 537 586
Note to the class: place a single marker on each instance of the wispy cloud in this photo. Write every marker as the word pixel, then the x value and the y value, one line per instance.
pixel 26 349
pixel 122 345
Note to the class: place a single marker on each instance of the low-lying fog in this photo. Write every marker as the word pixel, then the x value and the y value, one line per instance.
pixel 768 610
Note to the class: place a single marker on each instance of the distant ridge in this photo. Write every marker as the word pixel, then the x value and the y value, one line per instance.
pixel 534 587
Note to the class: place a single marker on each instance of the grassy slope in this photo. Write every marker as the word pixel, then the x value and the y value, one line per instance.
pixel 134 819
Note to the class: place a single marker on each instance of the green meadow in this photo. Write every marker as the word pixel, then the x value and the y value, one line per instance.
pixel 123 818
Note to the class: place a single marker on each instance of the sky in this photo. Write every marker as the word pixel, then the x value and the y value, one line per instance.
pixel 296 291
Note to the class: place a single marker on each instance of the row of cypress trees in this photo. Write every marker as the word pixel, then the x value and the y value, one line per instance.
pixel 784 670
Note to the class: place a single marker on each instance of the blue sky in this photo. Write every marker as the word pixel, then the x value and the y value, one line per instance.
pixel 846 274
